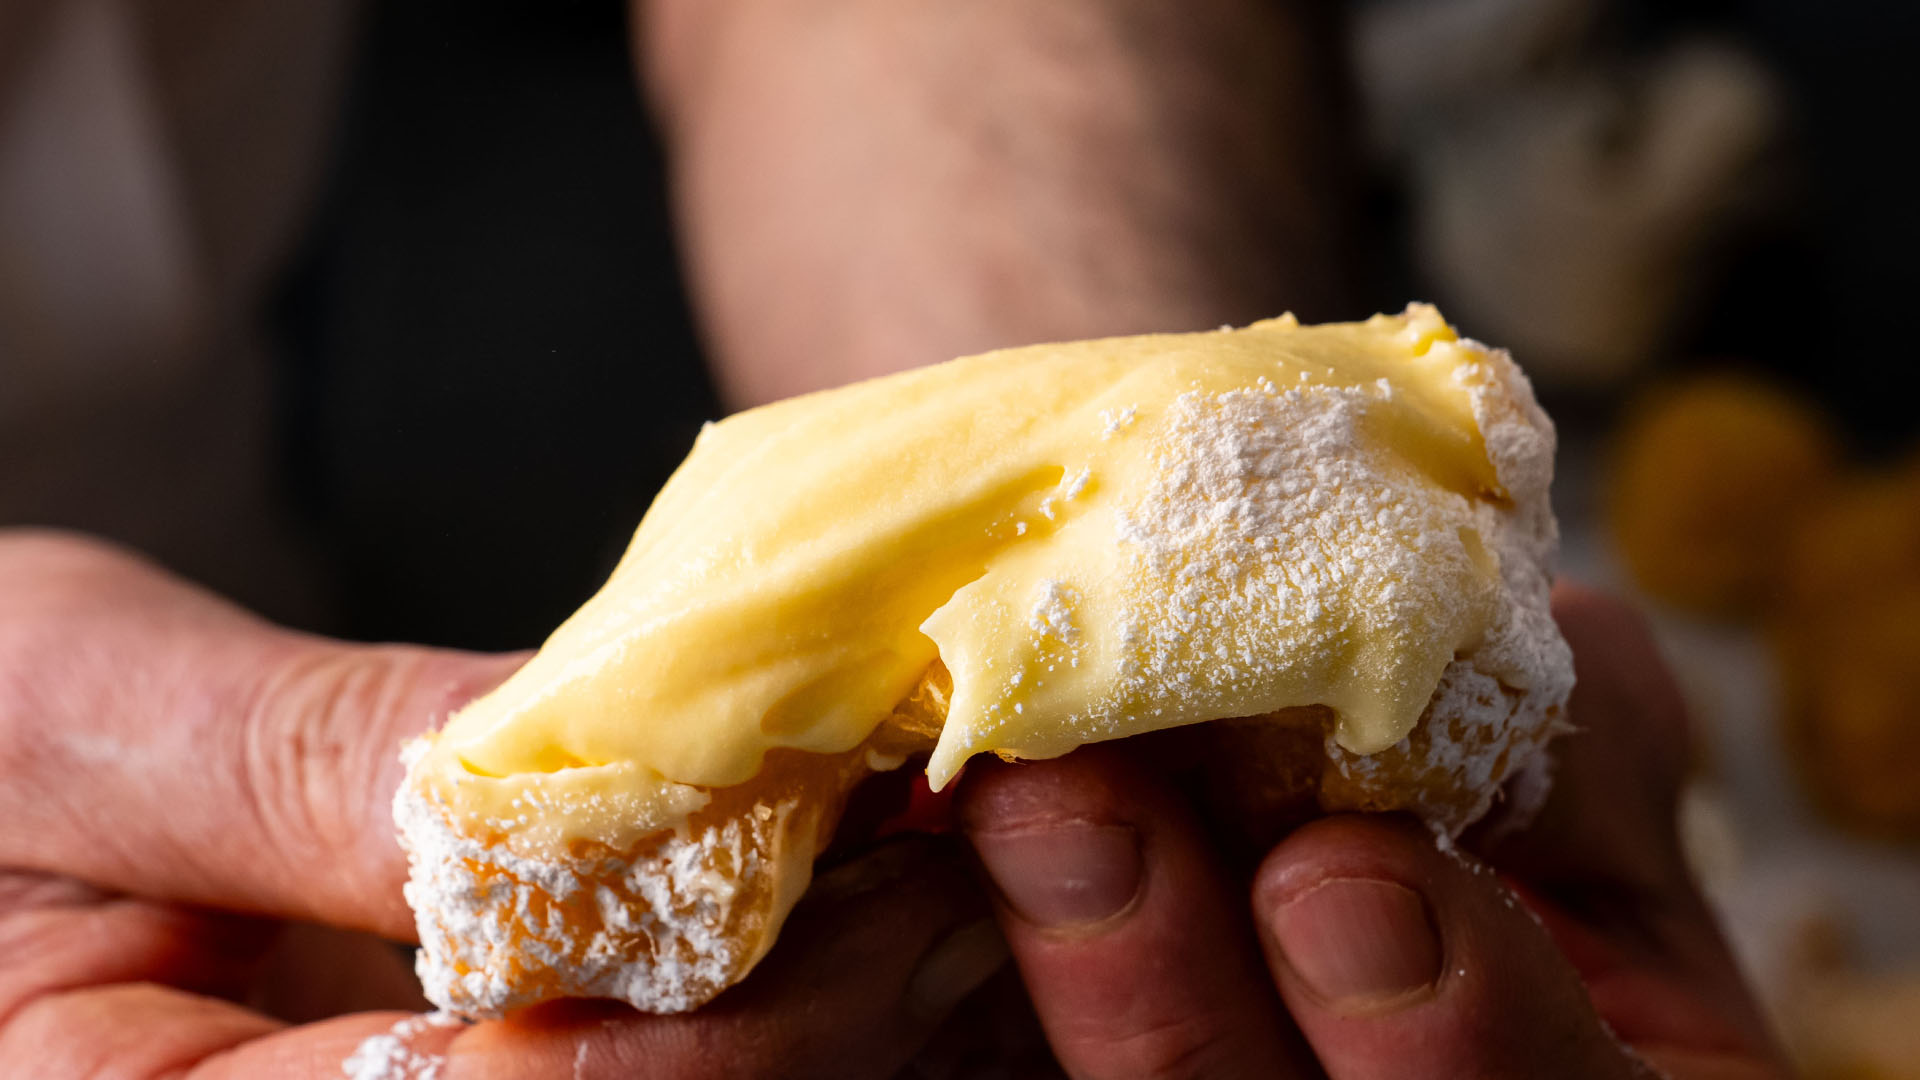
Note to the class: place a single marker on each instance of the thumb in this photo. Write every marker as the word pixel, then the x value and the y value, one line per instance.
pixel 157 740
pixel 1399 960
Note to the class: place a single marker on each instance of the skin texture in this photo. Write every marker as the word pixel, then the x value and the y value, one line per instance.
pixel 869 185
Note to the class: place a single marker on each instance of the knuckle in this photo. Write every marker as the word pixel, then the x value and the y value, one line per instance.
pixel 67 603
pixel 46 573
pixel 48 684
pixel 306 763
pixel 54 546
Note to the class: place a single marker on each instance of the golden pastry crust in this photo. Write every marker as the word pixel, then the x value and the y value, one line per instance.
pixel 682 914
pixel 664 925
pixel 1340 534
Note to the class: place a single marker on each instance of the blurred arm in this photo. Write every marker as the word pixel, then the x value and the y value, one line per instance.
pixel 20 22
pixel 868 185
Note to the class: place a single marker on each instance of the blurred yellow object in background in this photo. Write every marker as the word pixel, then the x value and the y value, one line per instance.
pixel 1844 1022
pixel 1728 497
pixel 1854 541
pixel 1708 477
pixel 1847 634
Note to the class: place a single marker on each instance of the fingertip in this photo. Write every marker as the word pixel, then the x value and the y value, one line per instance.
pixel 1610 818
pixel 582 1039
pixel 1619 665
pixel 881 949
pixel 1387 846
pixel 1093 781
pixel 1401 956
pixel 954 968
pixel 1580 608
pixel 1463 908
pixel 1130 934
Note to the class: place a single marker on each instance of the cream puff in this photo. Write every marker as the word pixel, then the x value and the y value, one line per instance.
pixel 1336 537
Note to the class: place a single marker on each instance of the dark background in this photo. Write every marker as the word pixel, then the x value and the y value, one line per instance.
pixel 489 362
pixel 489 366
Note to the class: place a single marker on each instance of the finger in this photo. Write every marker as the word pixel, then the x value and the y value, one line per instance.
pixel 314 972
pixel 1608 825
pixel 1134 945
pixel 140 1031
pixel 994 1033
pixel 1400 960
pixel 866 970
pixel 157 740
pixel 57 934
pixel 93 984
pixel 1604 855
pixel 871 962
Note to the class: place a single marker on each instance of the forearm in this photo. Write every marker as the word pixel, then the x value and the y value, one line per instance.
pixel 868 185
pixel 21 22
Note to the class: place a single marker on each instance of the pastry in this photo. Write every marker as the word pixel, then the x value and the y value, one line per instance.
pixel 1337 537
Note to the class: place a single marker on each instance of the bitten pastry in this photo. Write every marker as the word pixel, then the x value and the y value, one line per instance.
pixel 1336 537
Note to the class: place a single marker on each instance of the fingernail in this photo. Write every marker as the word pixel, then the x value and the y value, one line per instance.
pixel 1359 944
pixel 1065 876
pixel 956 967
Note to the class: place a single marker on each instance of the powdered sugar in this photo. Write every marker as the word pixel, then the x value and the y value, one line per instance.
pixel 1071 485
pixel 1477 735
pixel 1113 421
pixel 1261 543
pixel 499 929
pixel 394 1055
pixel 1052 614
pixel 1275 523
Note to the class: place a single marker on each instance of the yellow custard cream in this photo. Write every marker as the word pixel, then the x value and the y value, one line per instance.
pixel 1097 539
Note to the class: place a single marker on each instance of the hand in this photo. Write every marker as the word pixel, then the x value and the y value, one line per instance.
pixel 1577 948
pixel 197 849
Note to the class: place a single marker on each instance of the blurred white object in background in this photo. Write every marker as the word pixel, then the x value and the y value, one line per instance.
pixel 1822 921
pixel 1565 201
pixel 1420 63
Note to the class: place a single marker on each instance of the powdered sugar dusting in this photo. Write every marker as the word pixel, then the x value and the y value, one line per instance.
pixel 394 1055
pixel 660 929
pixel 1071 485
pixel 1052 614
pixel 1113 421
pixel 1477 735
pixel 1277 525
pixel 1265 542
